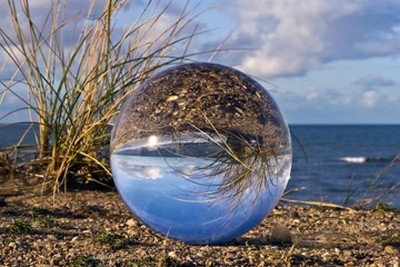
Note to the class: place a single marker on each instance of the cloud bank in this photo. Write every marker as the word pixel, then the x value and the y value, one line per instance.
pixel 289 38
pixel 283 39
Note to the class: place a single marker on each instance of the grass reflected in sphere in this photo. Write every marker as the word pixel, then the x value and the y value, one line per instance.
pixel 200 153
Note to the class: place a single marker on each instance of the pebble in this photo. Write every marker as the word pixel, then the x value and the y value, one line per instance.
pixel 3 203
pixel 172 254
pixel 132 223
pixel 391 250
pixel 281 234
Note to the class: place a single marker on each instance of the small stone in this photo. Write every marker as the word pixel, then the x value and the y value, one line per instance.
pixel 132 223
pixel 12 245
pixel 326 256
pixel 281 234
pixel 391 250
pixel 134 233
pixel 172 98
pixel 200 254
pixel 209 263
pixel 347 252
pixel 295 214
pixel 51 237
pixel 296 221
pixel 395 262
pixel 172 254
pixel 3 203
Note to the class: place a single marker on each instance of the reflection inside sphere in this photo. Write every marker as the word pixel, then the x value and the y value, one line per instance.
pixel 200 153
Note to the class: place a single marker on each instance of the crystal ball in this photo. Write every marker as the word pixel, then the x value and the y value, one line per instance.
pixel 200 153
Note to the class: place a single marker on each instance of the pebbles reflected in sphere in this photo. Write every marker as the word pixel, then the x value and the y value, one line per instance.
pixel 200 153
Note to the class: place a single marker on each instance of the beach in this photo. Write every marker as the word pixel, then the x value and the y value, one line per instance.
pixel 91 227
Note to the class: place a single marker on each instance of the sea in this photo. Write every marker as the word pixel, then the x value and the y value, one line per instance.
pixel 340 164
pixel 346 164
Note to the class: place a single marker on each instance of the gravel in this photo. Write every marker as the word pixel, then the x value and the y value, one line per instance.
pixel 94 228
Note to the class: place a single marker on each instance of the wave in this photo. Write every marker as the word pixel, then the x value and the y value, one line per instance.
pixel 353 159
pixel 360 160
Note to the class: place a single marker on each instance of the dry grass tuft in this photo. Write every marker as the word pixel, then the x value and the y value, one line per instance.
pixel 72 90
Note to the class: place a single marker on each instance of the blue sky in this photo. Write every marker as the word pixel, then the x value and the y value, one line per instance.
pixel 323 61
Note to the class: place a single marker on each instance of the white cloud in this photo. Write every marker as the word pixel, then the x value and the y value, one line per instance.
pixel 152 173
pixel 393 99
pixel 293 37
pixel 71 14
pixel 351 106
pixel 323 97
pixel 369 99
pixel 142 172
pixel 13 50
pixel 312 94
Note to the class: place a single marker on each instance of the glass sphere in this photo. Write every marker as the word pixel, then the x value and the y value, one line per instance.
pixel 200 153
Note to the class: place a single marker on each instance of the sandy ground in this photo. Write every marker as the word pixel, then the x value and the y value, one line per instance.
pixel 94 228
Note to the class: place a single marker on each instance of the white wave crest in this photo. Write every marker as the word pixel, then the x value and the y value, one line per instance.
pixel 354 159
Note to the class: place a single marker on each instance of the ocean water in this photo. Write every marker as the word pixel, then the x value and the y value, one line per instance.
pixel 11 134
pixel 334 163
pixel 346 163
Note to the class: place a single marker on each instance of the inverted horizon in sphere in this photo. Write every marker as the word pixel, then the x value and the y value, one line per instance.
pixel 201 153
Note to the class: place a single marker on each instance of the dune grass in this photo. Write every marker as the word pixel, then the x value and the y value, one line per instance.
pixel 72 90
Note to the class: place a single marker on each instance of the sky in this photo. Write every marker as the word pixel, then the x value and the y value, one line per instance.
pixel 324 62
